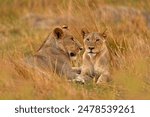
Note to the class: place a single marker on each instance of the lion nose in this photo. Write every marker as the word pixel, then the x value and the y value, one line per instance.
pixel 81 48
pixel 91 48
pixel 72 54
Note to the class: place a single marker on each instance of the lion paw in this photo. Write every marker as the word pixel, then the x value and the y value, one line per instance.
pixel 79 81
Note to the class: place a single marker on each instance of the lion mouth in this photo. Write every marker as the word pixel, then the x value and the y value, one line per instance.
pixel 91 52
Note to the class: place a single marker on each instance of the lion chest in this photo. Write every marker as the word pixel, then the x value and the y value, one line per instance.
pixel 98 66
pixel 93 66
pixel 97 70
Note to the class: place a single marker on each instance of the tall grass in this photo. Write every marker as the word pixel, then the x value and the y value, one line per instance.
pixel 24 25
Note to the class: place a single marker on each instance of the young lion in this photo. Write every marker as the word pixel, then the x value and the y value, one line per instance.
pixel 96 58
pixel 57 52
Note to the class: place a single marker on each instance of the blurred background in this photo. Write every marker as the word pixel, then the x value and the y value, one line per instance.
pixel 24 25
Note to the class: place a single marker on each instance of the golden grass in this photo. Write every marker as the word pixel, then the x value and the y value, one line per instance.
pixel 24 24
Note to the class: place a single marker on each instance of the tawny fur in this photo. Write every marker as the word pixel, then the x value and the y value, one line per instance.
pixel 56 53
pixel 96 59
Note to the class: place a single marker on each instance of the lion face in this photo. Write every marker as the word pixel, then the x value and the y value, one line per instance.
pixel 93 42
pixel 72 46
pixel 67 42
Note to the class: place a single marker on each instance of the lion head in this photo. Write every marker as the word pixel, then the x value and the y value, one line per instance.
pixel 67 42
pixel 93 41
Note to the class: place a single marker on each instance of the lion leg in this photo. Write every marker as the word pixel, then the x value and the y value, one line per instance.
pixel 71 75
pixel 79 79
pixel 77 70
pixel 104 78
pixel 83 79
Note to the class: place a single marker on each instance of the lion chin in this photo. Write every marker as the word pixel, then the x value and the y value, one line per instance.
pixel 92 54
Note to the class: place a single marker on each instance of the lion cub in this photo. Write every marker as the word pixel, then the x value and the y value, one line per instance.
pixel 96 58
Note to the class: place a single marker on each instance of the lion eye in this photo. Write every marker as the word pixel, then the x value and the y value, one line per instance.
pixel 97 39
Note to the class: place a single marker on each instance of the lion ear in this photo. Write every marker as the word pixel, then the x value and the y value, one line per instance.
pixel 104 33
pixel 84 31
pixel 58 33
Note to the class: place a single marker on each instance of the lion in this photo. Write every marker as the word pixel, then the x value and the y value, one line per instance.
pixel 96 58
pixel 57 52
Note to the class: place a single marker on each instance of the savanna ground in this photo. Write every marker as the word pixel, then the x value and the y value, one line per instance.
pixel 24 25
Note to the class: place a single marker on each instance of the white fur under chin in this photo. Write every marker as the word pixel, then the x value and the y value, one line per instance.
pixel 73 58
pixel 91 54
